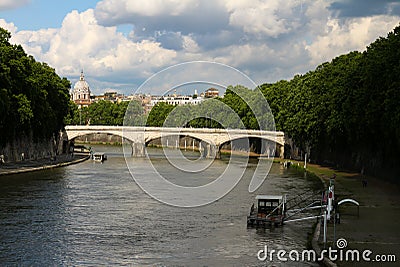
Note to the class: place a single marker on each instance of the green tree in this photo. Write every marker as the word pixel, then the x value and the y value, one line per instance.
pixel 34 99
pixel 158 114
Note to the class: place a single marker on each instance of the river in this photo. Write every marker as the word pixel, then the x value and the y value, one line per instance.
pixel 94 214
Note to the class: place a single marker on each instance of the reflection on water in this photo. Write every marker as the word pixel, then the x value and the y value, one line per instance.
pixel 95 214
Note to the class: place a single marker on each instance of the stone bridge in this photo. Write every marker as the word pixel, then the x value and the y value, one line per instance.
pixel 210 140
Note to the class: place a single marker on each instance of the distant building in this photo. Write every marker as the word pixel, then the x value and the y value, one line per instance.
pixel 81 95
pixel 176 100
pixel 211 92
pixel 81 92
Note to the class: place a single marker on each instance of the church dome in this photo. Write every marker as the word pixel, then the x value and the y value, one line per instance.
pixel 81 93
pixel 81 86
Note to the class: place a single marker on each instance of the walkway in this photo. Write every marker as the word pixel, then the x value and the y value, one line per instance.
pixel 40 164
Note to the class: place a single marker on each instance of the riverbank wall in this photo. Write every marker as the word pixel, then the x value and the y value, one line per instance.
pixel 25 148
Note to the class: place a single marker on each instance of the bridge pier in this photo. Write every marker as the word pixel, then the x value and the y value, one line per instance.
pixel 138 150
pixel 209 151
pixel 218 153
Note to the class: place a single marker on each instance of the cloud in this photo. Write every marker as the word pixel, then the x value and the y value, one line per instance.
pixel 11 4
pixel 341 37
pixel 8 26
pixel 271 18
pixel 362 8
pixel 147 8
pixel 101 51
pixel 170 15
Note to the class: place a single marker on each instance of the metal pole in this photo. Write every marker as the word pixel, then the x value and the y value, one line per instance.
pixel 325 228
pixel 305 161
pixel 334 228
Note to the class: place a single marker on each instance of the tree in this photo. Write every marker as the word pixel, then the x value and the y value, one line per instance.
pixel 34 99
pixel 158 114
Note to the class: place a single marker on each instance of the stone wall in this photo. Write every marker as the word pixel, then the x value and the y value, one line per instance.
pixel 99 138
pixel 24 148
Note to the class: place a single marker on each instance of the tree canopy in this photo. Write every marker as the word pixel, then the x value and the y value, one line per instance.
pixel 106 113
pixel 346 111
pixel 33 98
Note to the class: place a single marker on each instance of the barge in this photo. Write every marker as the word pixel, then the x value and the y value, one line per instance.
pixel 270 210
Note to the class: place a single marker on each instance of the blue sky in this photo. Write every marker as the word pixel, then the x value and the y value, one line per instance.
pixel 121 43
pixel 38 14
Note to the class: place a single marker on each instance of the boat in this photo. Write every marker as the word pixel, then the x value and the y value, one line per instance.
pixel 99 157
pixel 270 210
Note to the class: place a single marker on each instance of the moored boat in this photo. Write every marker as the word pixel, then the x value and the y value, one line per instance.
pixel 270 210
pixel 99 157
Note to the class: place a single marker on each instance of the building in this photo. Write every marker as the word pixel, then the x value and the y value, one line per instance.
pixel 81 92
pixel 211 92
pixel 176 100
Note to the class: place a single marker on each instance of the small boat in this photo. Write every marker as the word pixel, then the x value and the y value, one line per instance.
pixel 270 210
pixel 99 157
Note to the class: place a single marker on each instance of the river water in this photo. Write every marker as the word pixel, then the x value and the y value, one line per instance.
pixel 94 214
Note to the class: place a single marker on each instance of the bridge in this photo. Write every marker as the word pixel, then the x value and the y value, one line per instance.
pixel 210 141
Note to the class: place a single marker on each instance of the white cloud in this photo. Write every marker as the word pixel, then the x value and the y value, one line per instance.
pixel 101 51
pixel 272 18
pixel 340 37
pixel 10 4
pixel 8 26
pixel 190 45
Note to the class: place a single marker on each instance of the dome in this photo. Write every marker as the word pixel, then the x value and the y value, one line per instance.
pixel 81 86
pixel 81 93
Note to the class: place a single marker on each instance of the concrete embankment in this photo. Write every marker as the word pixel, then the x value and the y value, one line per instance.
pixel 374 227
pixel 41 164
pixel 317 230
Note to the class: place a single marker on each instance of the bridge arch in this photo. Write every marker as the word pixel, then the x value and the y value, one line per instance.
pixel 73 135
pixel 206 147
pixel 179 135
pixel 271 147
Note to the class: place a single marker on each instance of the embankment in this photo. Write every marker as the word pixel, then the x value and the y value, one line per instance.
pixel 375 228
pixel 42 164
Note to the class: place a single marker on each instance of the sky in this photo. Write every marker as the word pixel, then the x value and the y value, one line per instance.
pixel 121 43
